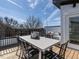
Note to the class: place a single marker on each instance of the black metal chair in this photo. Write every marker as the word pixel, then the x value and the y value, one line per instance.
pixel 52 55
pixel 30 51
pixel 19 44
pixel 20 48
pixel 27 51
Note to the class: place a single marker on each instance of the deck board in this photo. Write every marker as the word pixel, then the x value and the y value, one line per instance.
pixel 68 51
pixel 75 55
pixel 70 54
pixel 78 54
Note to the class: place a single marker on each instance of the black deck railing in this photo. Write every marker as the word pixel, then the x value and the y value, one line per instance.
pixel 9 42
pixel 8 45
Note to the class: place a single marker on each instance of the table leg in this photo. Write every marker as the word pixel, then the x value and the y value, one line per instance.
pixel 40 54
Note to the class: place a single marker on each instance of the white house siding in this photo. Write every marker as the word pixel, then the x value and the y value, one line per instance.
pixel 66 12
pixel 53 29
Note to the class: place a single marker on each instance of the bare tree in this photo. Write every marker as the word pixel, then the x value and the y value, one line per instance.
pixel 21 26
pixel 6 20
pixel 13 22
pixel 33 22
pixel 1 20
pixel 2 28
pixel 10 21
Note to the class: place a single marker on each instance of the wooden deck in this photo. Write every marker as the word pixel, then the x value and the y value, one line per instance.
pixel 70 54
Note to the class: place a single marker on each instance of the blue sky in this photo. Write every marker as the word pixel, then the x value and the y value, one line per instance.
pixel 48 13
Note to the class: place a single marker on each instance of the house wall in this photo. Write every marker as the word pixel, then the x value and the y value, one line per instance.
pixel 66 12
pixel 53 29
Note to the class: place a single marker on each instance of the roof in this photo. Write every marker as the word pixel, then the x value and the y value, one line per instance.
pixel 51 26
pixel 58 3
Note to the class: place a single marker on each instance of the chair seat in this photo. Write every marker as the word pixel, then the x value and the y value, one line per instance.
pixel 52 55
pixel 32 52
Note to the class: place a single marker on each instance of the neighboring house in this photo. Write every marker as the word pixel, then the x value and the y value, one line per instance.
pixel 53 29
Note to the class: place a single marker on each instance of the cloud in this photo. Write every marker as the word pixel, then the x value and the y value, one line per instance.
pixel 14 3
pixel 45 13
pixel 32 3
pixel 50 1
pixel 42 0
pixel 2 8
pixel 57 19
pixel 5 14
pixel 20 20
pixel 58 23
pixel 51 16
pixel 46 7
pixel 29 0
pixel 49 5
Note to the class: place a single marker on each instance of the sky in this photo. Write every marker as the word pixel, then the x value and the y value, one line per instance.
pixel 47 12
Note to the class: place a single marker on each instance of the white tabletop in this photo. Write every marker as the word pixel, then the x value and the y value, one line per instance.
pixel 43 43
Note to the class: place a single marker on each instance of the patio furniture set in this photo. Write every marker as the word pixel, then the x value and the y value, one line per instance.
pixel 39 48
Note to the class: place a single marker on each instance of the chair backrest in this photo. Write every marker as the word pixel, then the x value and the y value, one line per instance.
pixel 63 49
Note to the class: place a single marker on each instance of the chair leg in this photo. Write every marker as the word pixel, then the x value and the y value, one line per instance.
pixel 17 50
pixel 20 55
pixel 25 52
pixel 45 56
pixel 21 52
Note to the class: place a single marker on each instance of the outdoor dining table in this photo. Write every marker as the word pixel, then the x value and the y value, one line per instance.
pixel 42 44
